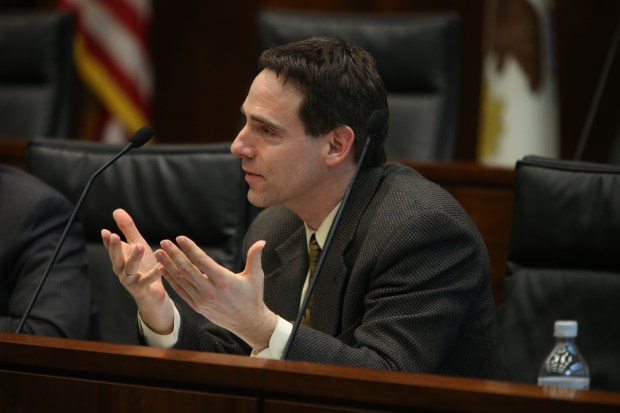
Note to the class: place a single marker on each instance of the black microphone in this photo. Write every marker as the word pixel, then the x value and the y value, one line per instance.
pixel 374 126
pixel 139 138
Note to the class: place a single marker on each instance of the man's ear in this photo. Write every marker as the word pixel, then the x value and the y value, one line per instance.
pixel 340 141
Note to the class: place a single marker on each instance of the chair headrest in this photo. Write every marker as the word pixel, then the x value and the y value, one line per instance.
pixel 32 45
pixel 170 190
pixel 566 213
pixel 409 49
pixel 37 73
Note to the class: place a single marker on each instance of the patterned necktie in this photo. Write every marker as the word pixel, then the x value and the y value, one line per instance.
pixel 314 254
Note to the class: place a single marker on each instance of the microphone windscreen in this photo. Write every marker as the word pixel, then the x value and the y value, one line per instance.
pixel 376 122
pixel 142 136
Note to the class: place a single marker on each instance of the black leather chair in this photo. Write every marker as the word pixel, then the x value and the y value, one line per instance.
pixel 170 190
pixel 419 58
pixel 36 74
pixel 563 264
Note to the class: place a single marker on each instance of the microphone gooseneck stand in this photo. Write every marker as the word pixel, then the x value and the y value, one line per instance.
pixel 139 138
pixel 375 125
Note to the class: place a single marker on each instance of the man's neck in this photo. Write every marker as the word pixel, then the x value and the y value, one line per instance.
pixel 321 204
pixel 314 215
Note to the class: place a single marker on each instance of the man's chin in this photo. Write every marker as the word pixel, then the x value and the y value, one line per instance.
pixel 257 200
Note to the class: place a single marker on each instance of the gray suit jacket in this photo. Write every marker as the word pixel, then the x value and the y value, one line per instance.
pixel 32 219
pixel 405 286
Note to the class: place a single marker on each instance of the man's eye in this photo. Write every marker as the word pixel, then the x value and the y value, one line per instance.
pixel 265 131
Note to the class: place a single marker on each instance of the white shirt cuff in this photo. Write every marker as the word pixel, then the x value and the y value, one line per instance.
pixel 156 340
pixel 277 342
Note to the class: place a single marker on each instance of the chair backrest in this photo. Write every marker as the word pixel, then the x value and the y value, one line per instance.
pixel 36 74
pixel 170 190
pixel 563 264
pixel 418 57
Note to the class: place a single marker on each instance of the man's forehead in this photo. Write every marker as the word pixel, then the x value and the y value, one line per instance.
pixel 269 98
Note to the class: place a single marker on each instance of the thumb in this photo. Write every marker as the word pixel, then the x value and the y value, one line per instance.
pixel 253 265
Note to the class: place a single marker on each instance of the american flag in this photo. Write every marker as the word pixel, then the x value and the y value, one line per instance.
pixel 112 58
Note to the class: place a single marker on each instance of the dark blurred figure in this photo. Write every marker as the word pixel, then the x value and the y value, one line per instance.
pixel 33 216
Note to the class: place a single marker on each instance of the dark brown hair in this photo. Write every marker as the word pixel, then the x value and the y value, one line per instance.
pixel 340 84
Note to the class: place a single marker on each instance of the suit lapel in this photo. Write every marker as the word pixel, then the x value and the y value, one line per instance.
pixel 327 301
pixel 286 275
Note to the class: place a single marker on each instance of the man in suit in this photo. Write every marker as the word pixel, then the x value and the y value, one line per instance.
pixel 33 218
pixel 406 284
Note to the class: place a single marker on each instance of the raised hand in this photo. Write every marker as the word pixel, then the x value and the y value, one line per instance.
pixel 137 269
pixel 232 301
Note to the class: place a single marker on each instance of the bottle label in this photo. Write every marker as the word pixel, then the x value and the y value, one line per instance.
pixel 560 359
pixel 573 383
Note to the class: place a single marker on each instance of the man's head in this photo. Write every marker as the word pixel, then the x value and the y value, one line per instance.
pixel 340 86
pixel 306 114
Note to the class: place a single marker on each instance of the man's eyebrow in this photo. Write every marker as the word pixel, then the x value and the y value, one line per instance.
pixel 264 121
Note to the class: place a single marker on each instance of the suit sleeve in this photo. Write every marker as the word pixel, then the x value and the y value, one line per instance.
pixel 198 333
pixel 63 307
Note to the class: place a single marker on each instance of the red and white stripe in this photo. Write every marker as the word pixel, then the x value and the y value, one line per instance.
pixel 112 56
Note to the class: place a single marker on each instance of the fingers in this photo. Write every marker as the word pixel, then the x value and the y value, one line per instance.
pixel 105 236
pixel 127 226
pixel 205 264
pixel 172 254
pixel 132 265
pixel 198 257
pixel 181 273
pixel 115 250
pixel 145 278
pixel 124 263
pixel 190 271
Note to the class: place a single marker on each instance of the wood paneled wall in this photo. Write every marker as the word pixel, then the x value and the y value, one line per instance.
pixel 204 60
pixel 204 57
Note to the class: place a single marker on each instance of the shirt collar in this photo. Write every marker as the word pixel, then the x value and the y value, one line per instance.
pixel 323 230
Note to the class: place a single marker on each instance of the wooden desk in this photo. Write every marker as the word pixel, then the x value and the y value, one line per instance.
pixel 40 374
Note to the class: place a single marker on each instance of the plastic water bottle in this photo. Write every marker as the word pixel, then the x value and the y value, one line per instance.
pixel 564 367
